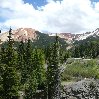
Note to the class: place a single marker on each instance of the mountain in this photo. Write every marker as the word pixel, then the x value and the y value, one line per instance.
pixel 44 39
pixel 39 39
pixel 69 37
pixel 19 34
pixel 88 34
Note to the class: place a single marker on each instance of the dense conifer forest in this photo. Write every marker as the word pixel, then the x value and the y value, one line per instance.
pixel 87 48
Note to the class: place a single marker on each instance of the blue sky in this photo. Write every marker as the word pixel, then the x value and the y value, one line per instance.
pixel 39 3
pixel 75 16
pixel 36 2
pixel 95 0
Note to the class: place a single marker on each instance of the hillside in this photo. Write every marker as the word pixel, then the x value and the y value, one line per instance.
pixel 38 39
pixel 86 48
pixel 42 39
pixel 88 34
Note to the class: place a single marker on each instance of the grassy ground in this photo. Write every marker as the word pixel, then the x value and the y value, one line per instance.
pixel 67 82
pixel 76 69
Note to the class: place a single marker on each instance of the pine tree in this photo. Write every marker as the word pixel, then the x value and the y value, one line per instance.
pixel 21 56
pixel 30 72
pixel 37 74
pixel 53 71
pixel 31 88
pixel 10 83
pixel 10 76
pixel 76 52
pixel 2 68
pixel 21 62
pixel 66 55
pixel 3 55
pixel 39 62
pixel 28 59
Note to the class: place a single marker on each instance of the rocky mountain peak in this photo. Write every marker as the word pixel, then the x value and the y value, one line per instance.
pixel 20 34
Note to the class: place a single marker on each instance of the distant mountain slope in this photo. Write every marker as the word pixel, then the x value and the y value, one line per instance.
pixel 88 39
pixel 70 37
pixel 67 36
pixel 86 48
pixel 43 39
pixel 88 34
pixel 39 39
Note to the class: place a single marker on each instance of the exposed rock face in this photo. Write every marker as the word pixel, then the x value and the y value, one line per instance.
pixel 67 36
pixel 24 34
pixel 84 89
pixel 20 34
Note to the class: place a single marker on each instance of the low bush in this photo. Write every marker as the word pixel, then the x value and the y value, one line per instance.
pixel 81 69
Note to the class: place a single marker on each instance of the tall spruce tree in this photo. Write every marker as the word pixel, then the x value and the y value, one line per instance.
pixel 39 62
pixel 2 68
pixel 53 71
pixel 37 74
pixel 21 55
pixel 29 58
pixel 21 62
pixel 30 90
pixel 3 55
pixel 30 72
pixel 10 76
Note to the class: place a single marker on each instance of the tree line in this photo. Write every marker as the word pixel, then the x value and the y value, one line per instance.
pixel 86 49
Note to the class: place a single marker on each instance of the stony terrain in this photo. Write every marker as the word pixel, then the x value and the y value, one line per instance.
pixel 84 89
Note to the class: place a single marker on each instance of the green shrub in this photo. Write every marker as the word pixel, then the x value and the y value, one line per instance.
pixel 81 69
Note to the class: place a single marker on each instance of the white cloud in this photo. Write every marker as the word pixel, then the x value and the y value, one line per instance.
pixel 74 16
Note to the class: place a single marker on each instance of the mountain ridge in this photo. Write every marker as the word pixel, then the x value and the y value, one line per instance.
pixel 29 33
pixel 40 40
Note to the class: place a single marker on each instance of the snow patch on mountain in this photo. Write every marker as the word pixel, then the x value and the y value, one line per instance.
pixel 88 34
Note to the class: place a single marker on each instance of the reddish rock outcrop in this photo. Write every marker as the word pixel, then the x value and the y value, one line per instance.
pixel 24 34
pixel 20 34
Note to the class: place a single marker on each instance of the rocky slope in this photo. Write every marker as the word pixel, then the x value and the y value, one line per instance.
pixel 84 89
pixel 20 34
